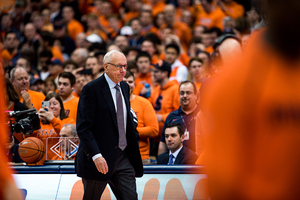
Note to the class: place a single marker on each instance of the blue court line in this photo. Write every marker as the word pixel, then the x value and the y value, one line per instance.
pixel 58 186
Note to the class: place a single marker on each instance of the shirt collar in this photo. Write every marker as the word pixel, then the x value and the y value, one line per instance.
pixel 111 84
pixel 176 152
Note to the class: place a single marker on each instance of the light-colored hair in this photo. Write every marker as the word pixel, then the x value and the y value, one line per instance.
pixel 108 56
pixel 73 129
pixel 12 72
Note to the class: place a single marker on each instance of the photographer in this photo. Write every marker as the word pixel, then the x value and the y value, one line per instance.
pixel 52 119
pixel 13 104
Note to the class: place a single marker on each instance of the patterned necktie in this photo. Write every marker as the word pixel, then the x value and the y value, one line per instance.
pixel 171 159
pixel 120 118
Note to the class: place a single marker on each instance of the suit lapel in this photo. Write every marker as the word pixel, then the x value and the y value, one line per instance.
pixel 108 98
pixel 180 156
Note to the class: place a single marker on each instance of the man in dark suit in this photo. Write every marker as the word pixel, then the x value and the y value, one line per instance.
pixel 177 154
pixel 108 150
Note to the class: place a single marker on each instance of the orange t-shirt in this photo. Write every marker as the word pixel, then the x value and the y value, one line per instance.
pixel 74 28
pixel 158 7
pixel 49 135
pixel 140 79
pixel 36 99
pixel 212 19
pixel 234 10
pixel 75 94
pixel 165 100
pixel 252 114
pixel 183 32
pixel 71 108
pixel 149 29
pixel 57 53
pixel 130 15
pixel 5 170
pixel 147 126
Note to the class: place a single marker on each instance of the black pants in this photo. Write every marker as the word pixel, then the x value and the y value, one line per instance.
pixel 122 182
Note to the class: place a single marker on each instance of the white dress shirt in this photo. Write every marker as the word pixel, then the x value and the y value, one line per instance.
pixel 113 92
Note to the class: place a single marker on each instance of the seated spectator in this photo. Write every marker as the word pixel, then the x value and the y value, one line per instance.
pixel 69 142
pixel 231 8
pixel 50 86
pixel 69 66
pixel 81 80
pixel 198 71
pixel 92 63
pixel 179 71
pixel 79 56
pixel 52 119
pixel 74 27
pixel 143 81
pixel 55 68
pixel 25 62
pixel 178 153
pixel 20 80
pixel 37 84
pixel 66 82
pixel 10 52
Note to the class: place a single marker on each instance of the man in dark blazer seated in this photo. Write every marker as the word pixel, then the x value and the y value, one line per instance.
pixel 178 153
pixel 108 150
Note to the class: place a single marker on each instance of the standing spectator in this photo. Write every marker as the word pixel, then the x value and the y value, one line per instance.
pixel 74 27
pixel 185 114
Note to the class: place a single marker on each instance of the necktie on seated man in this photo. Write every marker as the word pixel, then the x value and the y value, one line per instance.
pixel 171 159
pixel 120 118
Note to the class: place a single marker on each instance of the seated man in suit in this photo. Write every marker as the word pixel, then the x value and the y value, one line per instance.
pixel 177 154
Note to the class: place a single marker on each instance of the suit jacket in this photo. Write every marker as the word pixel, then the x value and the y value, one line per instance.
pixel 185 156
pixel 98 131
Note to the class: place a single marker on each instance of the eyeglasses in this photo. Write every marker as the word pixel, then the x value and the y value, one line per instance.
pixel 119 66
pixel 187 93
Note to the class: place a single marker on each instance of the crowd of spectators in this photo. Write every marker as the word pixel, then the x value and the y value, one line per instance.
pixel 50 49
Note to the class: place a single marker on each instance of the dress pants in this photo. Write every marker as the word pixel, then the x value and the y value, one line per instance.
pixel 122 182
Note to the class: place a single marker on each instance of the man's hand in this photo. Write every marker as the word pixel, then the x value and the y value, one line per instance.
pixel 101 165
pixel 26 99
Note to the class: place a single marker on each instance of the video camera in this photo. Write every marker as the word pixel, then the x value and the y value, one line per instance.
pixel 26 121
